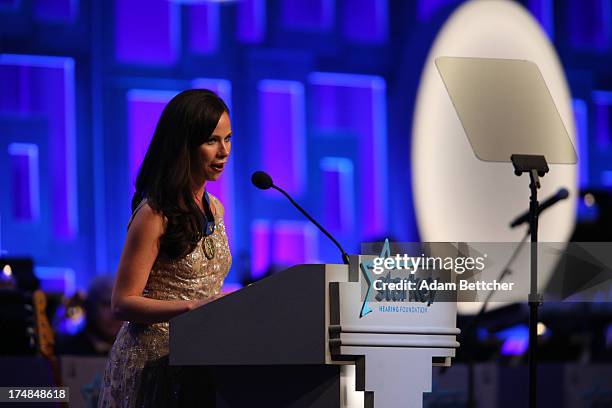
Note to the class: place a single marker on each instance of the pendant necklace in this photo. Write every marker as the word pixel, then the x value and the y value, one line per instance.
pixel 208 244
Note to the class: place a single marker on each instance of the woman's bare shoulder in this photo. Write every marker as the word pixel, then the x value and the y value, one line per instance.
pixel 147 220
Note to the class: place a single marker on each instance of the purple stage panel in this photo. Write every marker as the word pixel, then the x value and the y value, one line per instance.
pixel 602 101
pixel 543 11
pixel 147 38
pixel 261 244
pixel 357 104
pixel 144 108
pixel 282 244
pixel 282 133
pixel 44 86
pixel 224 188
pixel 203 27
pixel 315 15
pixel 251 21
pixel 582 135
pixel 294 243
pixel 64 11
pixel 589 24
pixel 365 21
pixel 24 179
pixel 338 192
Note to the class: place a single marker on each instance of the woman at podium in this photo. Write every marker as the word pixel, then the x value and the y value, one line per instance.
pixel 176 254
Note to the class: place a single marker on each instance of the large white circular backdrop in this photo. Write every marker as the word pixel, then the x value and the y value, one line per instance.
pixel 457 196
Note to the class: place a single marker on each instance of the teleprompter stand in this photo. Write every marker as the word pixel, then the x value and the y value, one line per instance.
pixel 537 167
pixel 505 107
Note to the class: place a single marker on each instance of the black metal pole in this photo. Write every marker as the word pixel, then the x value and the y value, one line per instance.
pixel 471 397
pixel 537 167
pixel 468 333
pixel 534 297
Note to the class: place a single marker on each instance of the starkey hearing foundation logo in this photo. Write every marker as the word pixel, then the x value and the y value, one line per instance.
pixel 404 285
pixel 412 277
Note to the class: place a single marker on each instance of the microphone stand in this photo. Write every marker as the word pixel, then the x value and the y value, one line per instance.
pixel 537 167
pixel 471 401
pixel 345 257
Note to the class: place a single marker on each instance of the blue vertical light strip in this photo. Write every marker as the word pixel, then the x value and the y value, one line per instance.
pixel 339 205
pixel 251 21
pixel 203 27
pixel 582 136
pixel 70 147
pixel 589 24
pixel 603 128
pixel 26 190
pixel 98 139
pixel 379 136
pixel 602 101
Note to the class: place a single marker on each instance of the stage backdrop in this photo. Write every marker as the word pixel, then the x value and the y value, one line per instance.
pixel 321 95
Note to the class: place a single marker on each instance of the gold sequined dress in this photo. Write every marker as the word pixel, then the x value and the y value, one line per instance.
pixel 137 372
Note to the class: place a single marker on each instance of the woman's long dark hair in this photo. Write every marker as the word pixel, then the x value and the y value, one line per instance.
pixel 165 178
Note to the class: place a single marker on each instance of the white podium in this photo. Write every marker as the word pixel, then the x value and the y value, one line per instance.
pixel 299 339
pixel 395 344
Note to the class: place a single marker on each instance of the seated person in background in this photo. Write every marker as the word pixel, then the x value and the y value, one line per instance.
pixel 101 327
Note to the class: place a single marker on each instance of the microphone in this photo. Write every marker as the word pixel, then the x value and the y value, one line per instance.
pixel 263 181
pixel 561 194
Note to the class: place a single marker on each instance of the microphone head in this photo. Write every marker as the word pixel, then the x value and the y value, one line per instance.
pixel 563 193
pixel 262 180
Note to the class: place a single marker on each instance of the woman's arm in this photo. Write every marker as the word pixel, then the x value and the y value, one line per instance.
pixel 139 253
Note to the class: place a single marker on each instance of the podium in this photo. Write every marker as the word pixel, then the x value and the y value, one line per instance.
pixel 299 339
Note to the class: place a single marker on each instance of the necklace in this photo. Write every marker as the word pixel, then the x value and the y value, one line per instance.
pixel 208 245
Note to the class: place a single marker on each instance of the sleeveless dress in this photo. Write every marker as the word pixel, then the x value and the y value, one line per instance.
pixel 137 372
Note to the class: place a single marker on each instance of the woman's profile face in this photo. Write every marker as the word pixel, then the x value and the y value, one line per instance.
pixel 213 154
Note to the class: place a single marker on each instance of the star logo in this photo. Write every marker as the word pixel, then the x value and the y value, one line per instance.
pixel 366 269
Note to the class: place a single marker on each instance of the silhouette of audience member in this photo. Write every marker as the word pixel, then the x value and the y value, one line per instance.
pixel 98 335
